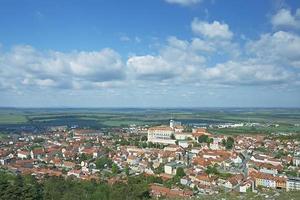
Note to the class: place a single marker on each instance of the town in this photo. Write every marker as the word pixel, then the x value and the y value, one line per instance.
pixel 187 161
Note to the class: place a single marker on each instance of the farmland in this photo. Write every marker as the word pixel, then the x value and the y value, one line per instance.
pixel 286 118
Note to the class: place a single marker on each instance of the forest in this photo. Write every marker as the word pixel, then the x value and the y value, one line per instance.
pixel 27 187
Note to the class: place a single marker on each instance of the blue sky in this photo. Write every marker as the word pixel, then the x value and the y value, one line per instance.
pixel 158 53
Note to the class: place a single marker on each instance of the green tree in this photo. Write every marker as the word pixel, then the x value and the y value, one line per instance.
pixel 19 184
pixel 54 187
pixel 180 172
pixel 173 137
pixel 212 170
pixel 144 138
pixel 4 185
pixel 203 139
pixel 32 189
pixel 84 157
pixel 127 170
pixel 114 168
pixel 103 162
pixel 229 143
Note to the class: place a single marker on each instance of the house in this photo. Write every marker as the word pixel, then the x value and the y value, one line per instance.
pixel 296 161
pixel 183 135
pixel 268 180
pixel 171 168
pixel 269 168
pixel 23 154
pixel 293 183
pixel 196 133
pixel 280 182
pixel 133 160
pixel 178 128
pixel 56 162
pixel 158 191
pixel 247 184
pixel 174 123
pixel 233 181
pixel 205 179
pixel 37 153
pixel 75 173
pixel 217 140
pixel 5 160
pixel 236 158
pixel 260 158
pixel 68 165
pixel 185 181
pixel 184 144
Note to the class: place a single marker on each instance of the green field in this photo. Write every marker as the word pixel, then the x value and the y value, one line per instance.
pixel 12 118
pixel 97 118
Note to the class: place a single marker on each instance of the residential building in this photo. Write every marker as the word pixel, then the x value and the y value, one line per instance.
pixel 171 168
pixel 293 183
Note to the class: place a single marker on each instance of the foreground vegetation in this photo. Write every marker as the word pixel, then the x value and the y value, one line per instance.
pixel 18 187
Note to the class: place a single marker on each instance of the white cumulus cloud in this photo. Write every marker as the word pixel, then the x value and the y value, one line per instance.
pixel 24 65
pixel 285 18
pixel 184 2
pixel 212 30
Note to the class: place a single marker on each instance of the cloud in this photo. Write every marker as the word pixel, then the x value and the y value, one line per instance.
pixel 25 66
pixel 247 72
pixel 280 47
pixel 177 60
pixel 214 30
pixel 273 59
pixel 184 2
pixel 208 59
pixel 124 38
pixel 284 18
pixel 150 67
pixel 135 39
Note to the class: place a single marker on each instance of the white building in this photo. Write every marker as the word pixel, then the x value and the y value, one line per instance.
pixel 293 183
pixel 171 168
pixel 265 170
pixel 183 135
pixel 161 134
pixel 296 160
pixel 173 124
pixel 23 154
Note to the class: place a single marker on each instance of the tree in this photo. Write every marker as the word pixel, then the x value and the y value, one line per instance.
pixel 114 168
pixel 211 170
pixel 4 185
pixel 144 145
pixel 188 129
pixel 103 162
pixel 224 142
pixel 229 143
pixel 173 137
pixel 19 183
pixel 144 138
pixel 32 189
pixel 210 140
pixel 84 157
pixel 203 139
pixel 127 170
pixel 180 172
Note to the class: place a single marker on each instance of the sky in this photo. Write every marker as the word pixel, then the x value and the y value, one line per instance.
pixel 149 53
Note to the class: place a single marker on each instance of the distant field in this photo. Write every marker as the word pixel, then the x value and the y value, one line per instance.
pixel 256 130
pixel 12 119
pixel 98 118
